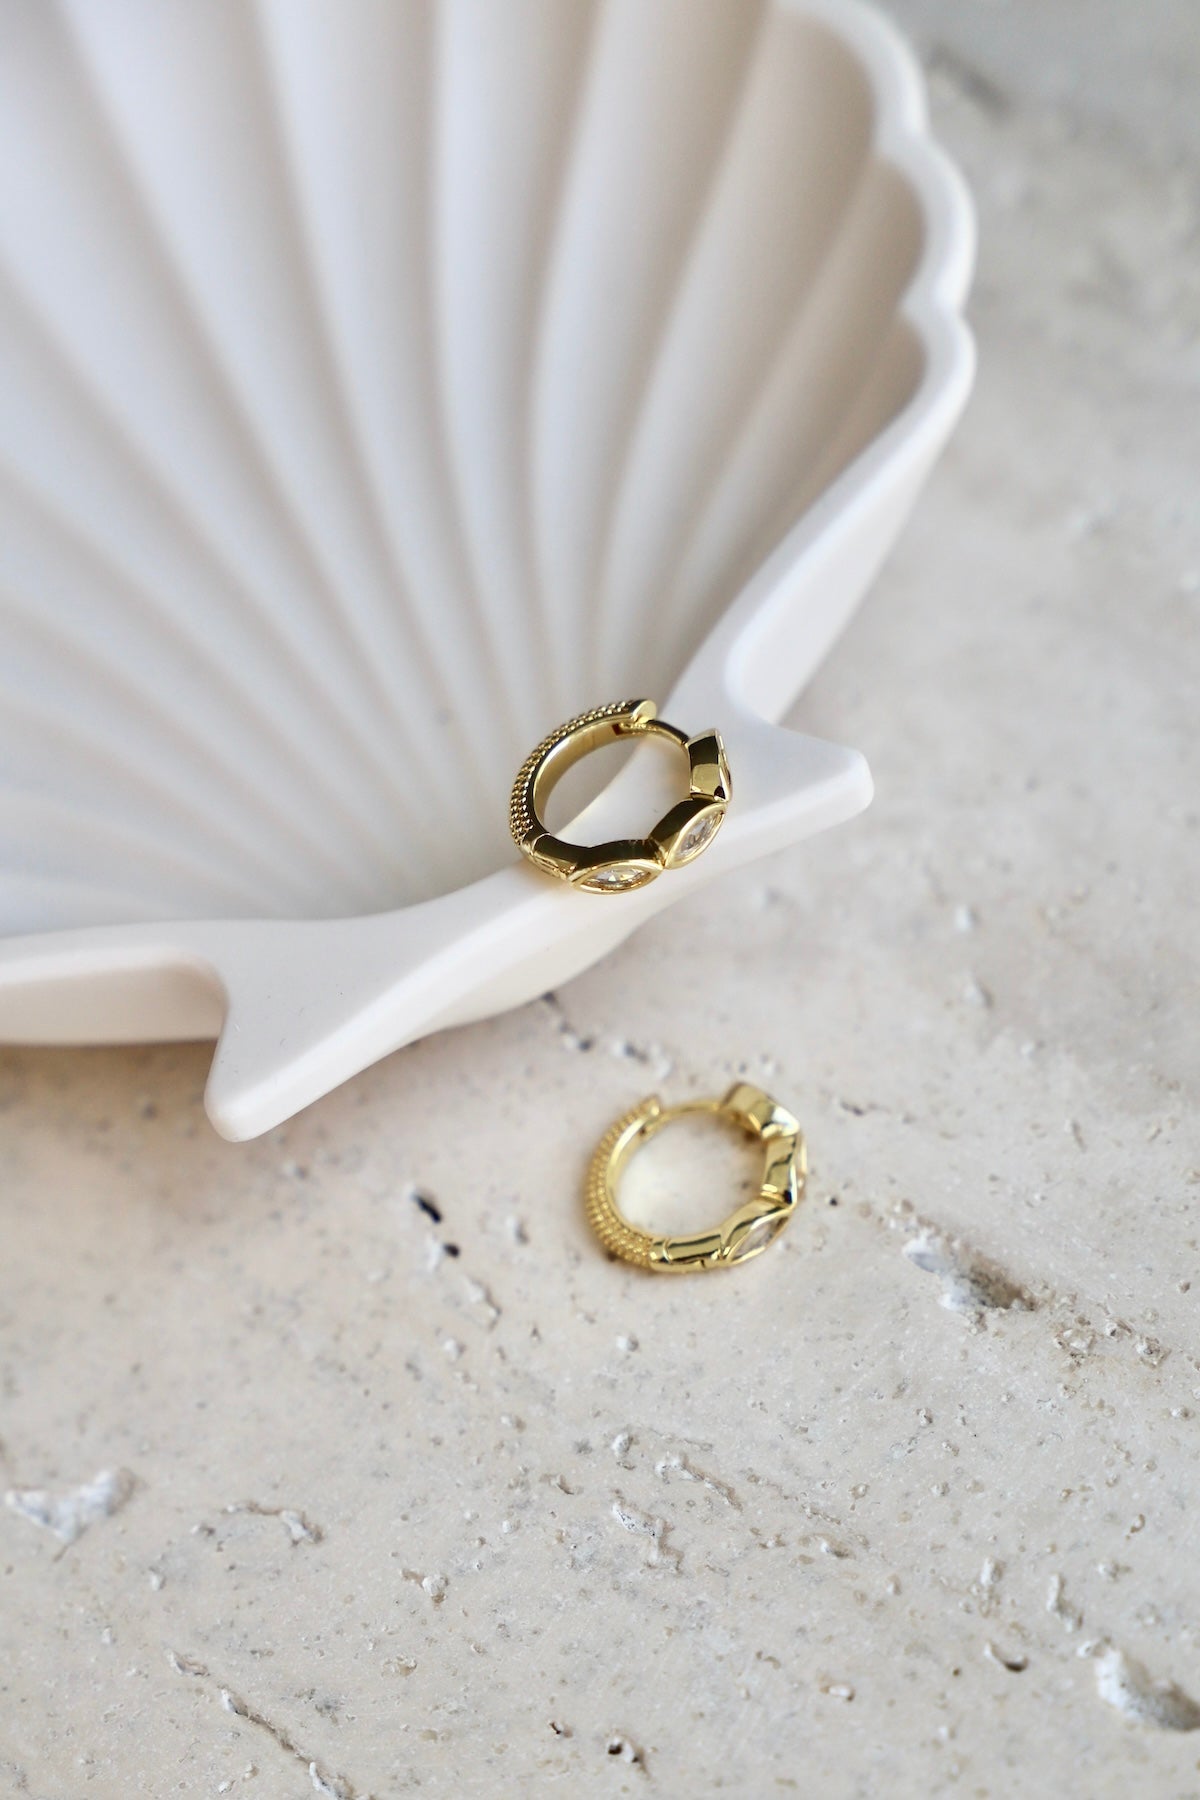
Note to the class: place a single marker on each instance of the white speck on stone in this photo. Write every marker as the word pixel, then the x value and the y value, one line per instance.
pixel 1126 1684
pixel 634 1521
pixel 452 1348
pixel 969 1285
pixel 435 1586
pixel 653 1057
pixel 1060 1608
pixel 69 1515
pixel 650 1526
pixel 976 994
pixel 622 1748
pixel 298 1527
pixel 331 1786
pixel 480 1295
pixel 186 1665
pixel 965 918
pixel 1090 518
pixel 1014 1664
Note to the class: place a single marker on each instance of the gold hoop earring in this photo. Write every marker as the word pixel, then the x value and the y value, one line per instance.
pixel 747 1231
pixel 623 863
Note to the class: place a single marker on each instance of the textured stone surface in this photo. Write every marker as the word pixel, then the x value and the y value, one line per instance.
pixel 343 1463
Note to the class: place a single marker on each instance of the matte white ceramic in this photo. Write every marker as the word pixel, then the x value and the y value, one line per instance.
pixel 381 383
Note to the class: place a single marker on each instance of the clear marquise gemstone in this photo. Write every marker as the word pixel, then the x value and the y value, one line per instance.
pixel 620 875
pixel 697 836
pixel 759 1236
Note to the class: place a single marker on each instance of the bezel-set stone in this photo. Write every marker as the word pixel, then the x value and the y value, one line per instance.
pixel 679 828
pixel 758 1236
pixel 617 878
pixel 697 836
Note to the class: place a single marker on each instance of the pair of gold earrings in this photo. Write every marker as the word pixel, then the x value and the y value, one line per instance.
pixel 618 866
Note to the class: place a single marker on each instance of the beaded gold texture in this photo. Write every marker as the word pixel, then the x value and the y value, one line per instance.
pixel 748 1230
pixel 621 864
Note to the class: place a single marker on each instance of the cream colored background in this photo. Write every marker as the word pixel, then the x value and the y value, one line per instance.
pixel 514 1521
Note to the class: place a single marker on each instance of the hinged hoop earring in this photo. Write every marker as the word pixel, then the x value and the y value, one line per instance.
pixel 623 863
pixel 747 1231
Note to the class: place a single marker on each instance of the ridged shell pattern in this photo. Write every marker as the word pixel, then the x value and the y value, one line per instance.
pixel 382 382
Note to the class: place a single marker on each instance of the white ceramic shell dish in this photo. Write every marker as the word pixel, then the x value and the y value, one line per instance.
pixel 380 384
